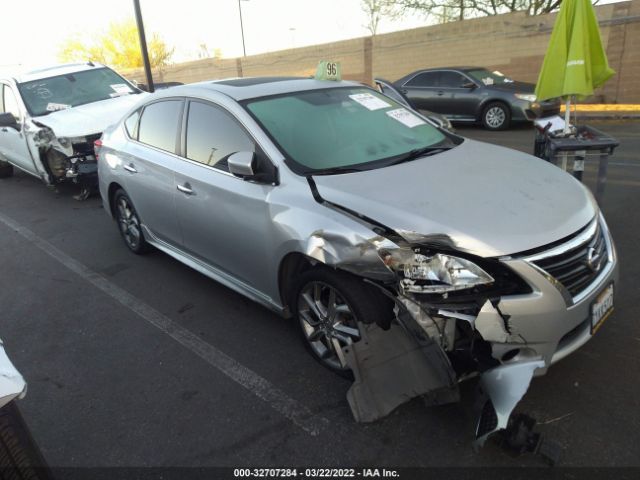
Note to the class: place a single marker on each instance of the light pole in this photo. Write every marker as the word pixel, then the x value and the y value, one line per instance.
pixel 244 50
pixel 293 36
pixel 143 46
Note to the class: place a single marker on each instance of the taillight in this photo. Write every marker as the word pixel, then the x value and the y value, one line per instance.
pixel 96 146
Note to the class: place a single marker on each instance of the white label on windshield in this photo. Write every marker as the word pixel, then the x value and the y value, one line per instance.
pixel 405 117
pixel 54 107
pixel 369 101
pixel 487 81
pixel 121 88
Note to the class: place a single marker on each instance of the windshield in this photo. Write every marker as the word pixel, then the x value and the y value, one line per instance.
pixel 338 128
pixel 48 95
pixel 487 77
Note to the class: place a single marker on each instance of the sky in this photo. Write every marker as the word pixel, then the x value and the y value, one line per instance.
pixel 39 27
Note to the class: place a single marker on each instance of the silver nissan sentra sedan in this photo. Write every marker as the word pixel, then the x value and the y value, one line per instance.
pixel 410 257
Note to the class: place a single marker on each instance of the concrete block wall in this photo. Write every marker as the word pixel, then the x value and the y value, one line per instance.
pixel 513 43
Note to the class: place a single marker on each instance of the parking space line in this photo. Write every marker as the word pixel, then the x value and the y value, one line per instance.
pixel 288 407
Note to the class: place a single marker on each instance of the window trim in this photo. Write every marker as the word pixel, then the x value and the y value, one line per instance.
pixel 440 87
pixel 416 75
pixel 178 133
pixel 183 136
pixel 136 126
pixel 17 98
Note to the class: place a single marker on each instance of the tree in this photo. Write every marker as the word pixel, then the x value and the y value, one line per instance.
pixel 449 10
pixel 118 46
pixel 374 9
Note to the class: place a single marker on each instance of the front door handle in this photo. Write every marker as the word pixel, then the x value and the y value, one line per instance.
pixel 440 93
pixel 130 168
pixel 186 188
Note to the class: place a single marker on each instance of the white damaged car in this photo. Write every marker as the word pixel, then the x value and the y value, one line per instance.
pixel 50 119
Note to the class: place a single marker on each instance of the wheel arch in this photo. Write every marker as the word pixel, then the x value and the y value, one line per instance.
pixel 291 266
pixel 488 101
pixel 111 193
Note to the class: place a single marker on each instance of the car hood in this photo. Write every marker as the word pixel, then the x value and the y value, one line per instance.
pixel 90 118
pixel 479 198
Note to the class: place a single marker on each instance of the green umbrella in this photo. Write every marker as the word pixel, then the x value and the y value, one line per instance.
pixel 575 62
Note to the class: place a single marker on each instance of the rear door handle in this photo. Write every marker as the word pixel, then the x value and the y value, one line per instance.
pixel 130 168
pixel 186 188
pixel 440 93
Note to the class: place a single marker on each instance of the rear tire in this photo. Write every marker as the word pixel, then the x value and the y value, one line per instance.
pixel 20 457
pixel 329 308
pixel 129 223
pixel 496 116
pixel 6 169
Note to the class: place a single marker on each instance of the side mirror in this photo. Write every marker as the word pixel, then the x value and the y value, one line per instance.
pixel 242 164
pixel 470 85
pixel 8 120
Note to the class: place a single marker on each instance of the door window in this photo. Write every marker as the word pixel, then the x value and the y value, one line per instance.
pixel 131 124
pixel 159 124
pixel 9 102
pixel 213 135
pixel 452 79
pixel 424 79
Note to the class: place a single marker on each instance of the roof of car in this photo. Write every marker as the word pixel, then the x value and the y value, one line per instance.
pixel 253 87
pixel 54 70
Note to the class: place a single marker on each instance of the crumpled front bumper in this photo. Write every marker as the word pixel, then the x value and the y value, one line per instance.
pixel 544 327
pixel 514 338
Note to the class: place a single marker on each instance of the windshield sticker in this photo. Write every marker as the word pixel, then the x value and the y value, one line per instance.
pixel 405 117
pixel 487 81
pixel 369 101
pixel 121 88
pixel 114 95
pixel 54 107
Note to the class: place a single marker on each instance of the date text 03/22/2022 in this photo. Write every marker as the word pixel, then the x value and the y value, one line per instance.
pixel 315 473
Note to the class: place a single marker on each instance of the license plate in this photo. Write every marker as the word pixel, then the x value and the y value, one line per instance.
pixel 601 308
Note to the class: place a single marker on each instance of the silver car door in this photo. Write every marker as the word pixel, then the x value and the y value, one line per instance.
pixel 13 144
pixel 225 220
pixel 149 163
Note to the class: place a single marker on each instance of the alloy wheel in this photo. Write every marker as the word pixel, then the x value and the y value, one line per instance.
pixel 495 117
pixel 129 223
pixel 328 322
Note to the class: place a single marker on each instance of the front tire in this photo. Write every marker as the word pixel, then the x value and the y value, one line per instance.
pixel 330 307
pixel 496 116
pixel 129 223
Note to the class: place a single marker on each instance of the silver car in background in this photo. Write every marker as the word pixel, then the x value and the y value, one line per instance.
pixel 410 257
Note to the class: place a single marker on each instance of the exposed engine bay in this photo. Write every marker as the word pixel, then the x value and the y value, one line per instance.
pixel 66 159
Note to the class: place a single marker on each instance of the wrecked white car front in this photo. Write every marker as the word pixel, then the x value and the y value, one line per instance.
pixel 61 112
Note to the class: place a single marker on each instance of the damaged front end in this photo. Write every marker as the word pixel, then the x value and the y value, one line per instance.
pixel 65 159
pixel 448 327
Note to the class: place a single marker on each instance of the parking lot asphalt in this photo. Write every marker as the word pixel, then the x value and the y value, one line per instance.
pixel 141 361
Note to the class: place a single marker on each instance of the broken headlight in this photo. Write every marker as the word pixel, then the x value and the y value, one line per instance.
pixel 437 273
